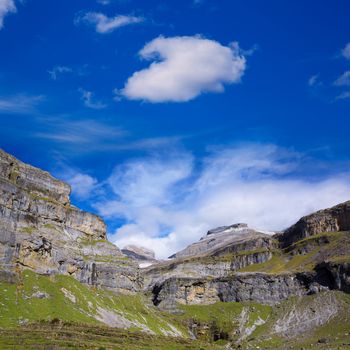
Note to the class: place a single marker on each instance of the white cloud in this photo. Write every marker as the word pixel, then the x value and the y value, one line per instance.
pixel 104 24
pixel 169 201
pixel 20 103
pixel 346 51
pixel 83 132
pixel 82 185
pixel 87 98
pixel 6 7
pixel 56 71
pixel 343 80
pixel 183 68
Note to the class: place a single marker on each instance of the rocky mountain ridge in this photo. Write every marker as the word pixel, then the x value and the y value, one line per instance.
pixel 47 242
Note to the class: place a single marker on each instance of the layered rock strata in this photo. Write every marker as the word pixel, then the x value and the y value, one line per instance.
pixel 332 219
pixel 41 230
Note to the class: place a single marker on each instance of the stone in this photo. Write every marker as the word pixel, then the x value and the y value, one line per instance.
pixel 220 239
pixel 42 231
pixel 333 219
pixel 139 253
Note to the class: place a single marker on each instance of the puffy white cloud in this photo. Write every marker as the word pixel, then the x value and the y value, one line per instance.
pixel 343 80
pixel 346 51
pixel 183 68
pixel 170 200
pixel 6 7
pixel 104 24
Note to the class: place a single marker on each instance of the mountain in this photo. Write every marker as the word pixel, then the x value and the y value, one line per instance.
pixel 64 285
pixel 145 257
pixel 218 240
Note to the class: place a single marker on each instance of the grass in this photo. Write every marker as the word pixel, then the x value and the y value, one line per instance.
pixel 60 336
pixel 223 318
pixel 305 254
pixel 18 304
pixel 28 230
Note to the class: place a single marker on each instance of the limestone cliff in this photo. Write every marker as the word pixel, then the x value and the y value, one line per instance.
pixel 41 230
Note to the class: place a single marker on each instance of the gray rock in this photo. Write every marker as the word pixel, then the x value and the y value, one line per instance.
pixel 221 238
pixel 42 231
pixel 139 253
pixel 333 219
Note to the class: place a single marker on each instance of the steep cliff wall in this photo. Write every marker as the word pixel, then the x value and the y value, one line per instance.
pixel 41 230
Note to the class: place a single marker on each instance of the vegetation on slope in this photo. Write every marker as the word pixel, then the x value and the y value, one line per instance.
pixel 62 336
pixel 42 298
pixel 304 255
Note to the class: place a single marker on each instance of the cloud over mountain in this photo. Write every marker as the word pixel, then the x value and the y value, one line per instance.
pixel 168 200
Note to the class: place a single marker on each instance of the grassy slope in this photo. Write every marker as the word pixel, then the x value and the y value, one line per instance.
pixel 75 336
pixel 318 248
pixel 333 334
pixel 18 306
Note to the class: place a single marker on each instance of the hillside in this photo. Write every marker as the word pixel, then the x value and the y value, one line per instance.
pixel 62 284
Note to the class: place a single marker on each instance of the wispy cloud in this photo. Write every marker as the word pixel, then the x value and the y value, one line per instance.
pixel 88 98
pixel 346 51
pixel 56 71
pixel 343 96
pixel 343 80
pixel 314 80
pixel 81 132
pixel 170 199
pixel 104 24
pixel 6 7
pixel 90 135
pixel 20 103
pixel 184 68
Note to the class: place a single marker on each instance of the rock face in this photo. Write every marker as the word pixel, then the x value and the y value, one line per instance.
pixel 333 219
pixel 202 267
pixel 41 230
pixel 262 288
pixel 143 256
pixel 259 287
pixel 219 239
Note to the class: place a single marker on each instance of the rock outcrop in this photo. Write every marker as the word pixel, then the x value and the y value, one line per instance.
pixel 143 256
pixel 220 253
pixel 42 231
pixel 333 219
pixel 262 288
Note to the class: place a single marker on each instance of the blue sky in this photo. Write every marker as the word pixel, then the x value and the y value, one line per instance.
pixel 170 117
